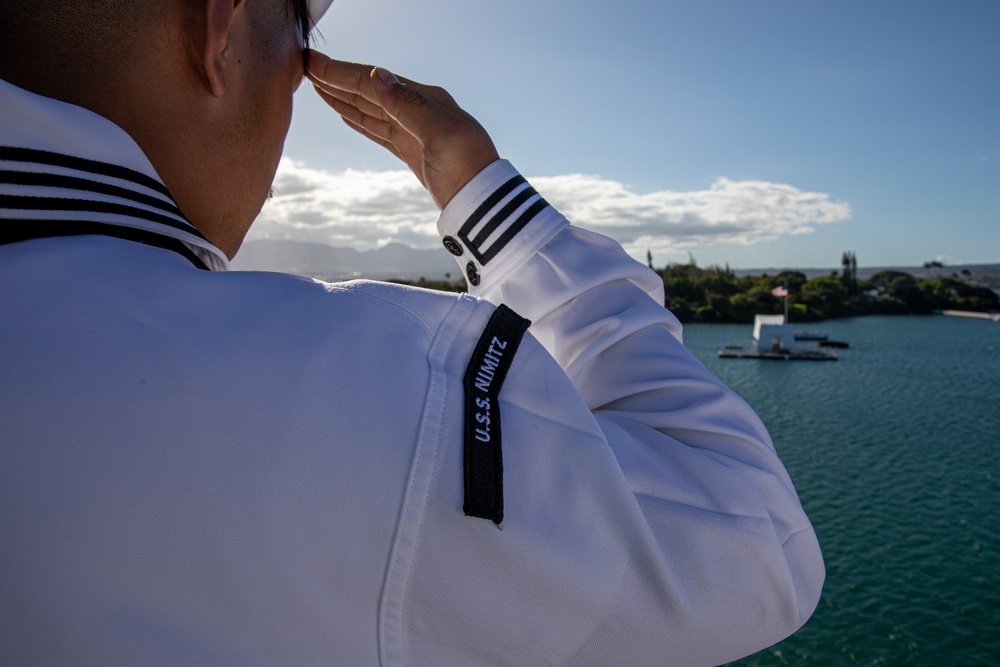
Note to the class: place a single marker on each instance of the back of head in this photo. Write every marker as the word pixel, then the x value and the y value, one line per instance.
pixel 202 86
pixel 82 51
pixel 72 50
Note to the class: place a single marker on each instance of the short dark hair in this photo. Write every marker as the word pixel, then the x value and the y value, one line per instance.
pixel 301 10
pixel 269 19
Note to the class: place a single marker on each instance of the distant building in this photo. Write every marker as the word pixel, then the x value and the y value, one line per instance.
pixel 772 333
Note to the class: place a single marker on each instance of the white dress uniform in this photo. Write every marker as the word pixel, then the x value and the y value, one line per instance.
pixel 208 467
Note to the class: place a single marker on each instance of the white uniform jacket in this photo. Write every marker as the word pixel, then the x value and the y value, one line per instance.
pixel 210 467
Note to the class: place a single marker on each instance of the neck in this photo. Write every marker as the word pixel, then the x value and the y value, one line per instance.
pixel 163 113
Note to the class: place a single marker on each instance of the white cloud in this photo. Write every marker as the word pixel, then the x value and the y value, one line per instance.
pixel 728 212
pixel 365 210
pixel 353 209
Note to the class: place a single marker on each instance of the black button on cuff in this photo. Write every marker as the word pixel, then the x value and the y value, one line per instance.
pixel 452 246
pixel 472 273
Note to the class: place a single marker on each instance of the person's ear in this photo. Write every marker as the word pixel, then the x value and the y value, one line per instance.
pixel 220 16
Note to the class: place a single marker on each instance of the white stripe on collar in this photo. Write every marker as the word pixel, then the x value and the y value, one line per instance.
pixel 62 162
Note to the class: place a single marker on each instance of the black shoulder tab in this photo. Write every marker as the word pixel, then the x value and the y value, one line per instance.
pixel 483 379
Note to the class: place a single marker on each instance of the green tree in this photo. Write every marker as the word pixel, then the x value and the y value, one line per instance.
pixel 824 297
pixel 901 287
pixel 849 273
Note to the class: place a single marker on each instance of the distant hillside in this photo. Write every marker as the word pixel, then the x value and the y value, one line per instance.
pixel 397 261
pixel 328 263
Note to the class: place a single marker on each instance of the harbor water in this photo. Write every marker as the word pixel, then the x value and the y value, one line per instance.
pixel 893 449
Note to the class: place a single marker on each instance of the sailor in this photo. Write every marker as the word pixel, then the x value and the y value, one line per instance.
pixel 207 467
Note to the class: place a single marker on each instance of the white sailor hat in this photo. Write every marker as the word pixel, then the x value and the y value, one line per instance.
pixel 317 8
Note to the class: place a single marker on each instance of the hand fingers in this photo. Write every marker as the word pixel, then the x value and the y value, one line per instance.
pixel 378 140
pixel 387 114
pixel 405 104
pixel 422 125
pixel 417 113
pixel 348 88
pixel 371 127
pixel 348 78
pixel 345 95
pixel 379 128
pixel 356 79
pixel 360 104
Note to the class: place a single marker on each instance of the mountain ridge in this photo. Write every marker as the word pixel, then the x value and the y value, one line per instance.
pixel 397 261
pixel 317 260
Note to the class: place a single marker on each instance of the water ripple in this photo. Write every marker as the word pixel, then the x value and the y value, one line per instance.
pixel 893 449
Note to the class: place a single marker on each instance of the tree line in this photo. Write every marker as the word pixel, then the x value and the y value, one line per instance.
pixel 717 294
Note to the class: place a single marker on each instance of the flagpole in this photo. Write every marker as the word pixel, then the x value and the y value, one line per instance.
pixel 782 291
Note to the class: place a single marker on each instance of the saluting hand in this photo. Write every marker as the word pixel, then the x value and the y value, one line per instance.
pixel 421 125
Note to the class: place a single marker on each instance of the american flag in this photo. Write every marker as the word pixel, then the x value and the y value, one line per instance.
pixel 780 290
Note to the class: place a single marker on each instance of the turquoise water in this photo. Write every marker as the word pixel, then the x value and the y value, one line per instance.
pixel 893 449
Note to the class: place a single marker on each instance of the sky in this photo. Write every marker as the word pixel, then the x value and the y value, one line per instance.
pixel 753 133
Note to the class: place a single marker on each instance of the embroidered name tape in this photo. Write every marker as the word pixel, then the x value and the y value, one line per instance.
pixel 483 464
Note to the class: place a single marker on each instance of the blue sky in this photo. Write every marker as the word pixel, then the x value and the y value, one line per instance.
pixel 763 134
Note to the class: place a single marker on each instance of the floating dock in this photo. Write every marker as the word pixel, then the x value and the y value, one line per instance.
pixel 781 343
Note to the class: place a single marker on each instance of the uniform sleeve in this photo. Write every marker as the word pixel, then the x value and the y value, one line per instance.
pixel 733 546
